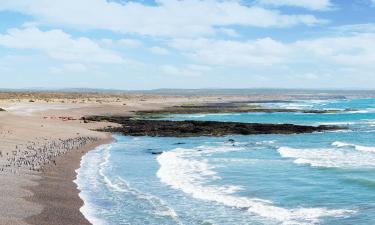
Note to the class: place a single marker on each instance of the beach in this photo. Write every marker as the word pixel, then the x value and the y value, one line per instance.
pixel 178 112
pixel 171 171
pixel 42 142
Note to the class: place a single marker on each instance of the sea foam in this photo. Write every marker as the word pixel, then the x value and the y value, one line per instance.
pixel 329 157
pixel 188 170
pixel 83 175
pixel 118 184
pixel 360 148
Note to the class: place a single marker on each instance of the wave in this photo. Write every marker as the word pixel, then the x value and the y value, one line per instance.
pixel 370 122
pixel 83 173
pixel 361 181
pixel 160 207
pixel 202 115
pixel 337 123
pixel 360 148
pixel 320 101
pixel 340 144
pixel 297 106
pixel 187 116
pixel 340 131
pixel 94 171
pixel 329 158
pixel 120 185
pixel 361 111
pixel 305 104
pixel 188 170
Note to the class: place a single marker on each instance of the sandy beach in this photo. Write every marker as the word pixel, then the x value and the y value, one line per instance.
pixel 187 112
pixel 42 142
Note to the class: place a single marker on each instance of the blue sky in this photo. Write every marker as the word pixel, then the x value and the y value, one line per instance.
pixel 187 44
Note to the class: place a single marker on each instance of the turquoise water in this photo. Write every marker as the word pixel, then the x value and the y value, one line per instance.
pixel 319 178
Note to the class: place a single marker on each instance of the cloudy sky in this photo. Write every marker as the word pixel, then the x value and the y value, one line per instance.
pixel 149 44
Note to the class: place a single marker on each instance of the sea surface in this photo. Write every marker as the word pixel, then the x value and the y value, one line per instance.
pixel 318 178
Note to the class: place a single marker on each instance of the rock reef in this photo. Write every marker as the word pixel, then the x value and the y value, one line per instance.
pixel 230 107
pixel 166 128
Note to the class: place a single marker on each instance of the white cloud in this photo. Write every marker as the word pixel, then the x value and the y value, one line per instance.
pixel 75 67
pixel 70 68
pixel 356 51
pixel 356 28
pixel 159 51
pixel 167 18
pixel 189 70
pixel 130 43
pixel 229 32
pixel 308 4
pixel 59 45
pixel 55 70
pixel 233 53
pixel 106 41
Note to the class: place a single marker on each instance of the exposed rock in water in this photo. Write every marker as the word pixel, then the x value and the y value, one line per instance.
pixel 163 128
pixel 180 143
pixel 2 110
pixel 234 107
pixel 156 153
pixel 231 141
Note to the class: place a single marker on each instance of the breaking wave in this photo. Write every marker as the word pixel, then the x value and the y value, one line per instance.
pixel 188 170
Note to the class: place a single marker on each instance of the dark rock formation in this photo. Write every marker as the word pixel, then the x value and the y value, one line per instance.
pixel 156 153
pixel 234 107
pixel 163 128
pixel 180 143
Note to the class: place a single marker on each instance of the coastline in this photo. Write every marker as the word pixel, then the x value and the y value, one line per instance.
pixel 52 197
pixel 57 192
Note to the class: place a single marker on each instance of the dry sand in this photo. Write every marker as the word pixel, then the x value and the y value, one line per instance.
pixel 42 142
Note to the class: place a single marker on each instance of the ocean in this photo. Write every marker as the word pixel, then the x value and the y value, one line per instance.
pixel 317 178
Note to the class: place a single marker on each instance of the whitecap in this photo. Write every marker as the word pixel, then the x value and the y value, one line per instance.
pixel 337 123
pixel 340 144
pixel 361 111
pixel 356 147
pixel 189 116
pixel 188 170
pixel 329 158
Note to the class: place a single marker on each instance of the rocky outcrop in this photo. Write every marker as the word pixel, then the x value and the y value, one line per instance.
pixel 223 108
pixel 164 128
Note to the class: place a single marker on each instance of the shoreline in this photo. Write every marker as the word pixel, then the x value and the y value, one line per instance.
pixel 57 192
pixel 52 197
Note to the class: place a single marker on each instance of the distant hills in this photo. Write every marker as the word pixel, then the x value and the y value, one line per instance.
pixel 206 91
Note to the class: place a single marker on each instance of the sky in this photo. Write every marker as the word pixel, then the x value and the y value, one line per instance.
pixel 145 44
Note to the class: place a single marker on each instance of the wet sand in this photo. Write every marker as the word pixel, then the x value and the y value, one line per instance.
pixel 58 194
